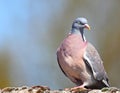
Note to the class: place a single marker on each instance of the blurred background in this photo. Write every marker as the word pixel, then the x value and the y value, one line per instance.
pixel 31 31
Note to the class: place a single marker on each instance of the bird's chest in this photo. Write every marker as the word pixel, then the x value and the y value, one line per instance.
pixel 74 47
pixel 71 55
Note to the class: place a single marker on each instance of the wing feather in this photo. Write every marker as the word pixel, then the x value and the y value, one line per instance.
pixel 93 60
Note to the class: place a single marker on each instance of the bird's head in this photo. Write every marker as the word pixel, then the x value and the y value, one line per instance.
pixel 80 24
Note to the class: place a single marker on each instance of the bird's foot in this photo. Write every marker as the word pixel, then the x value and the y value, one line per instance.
pixel 78 88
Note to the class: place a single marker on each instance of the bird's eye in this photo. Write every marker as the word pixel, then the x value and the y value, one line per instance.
pixel 80 23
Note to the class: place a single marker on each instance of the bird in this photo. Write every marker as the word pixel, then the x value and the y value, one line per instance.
pixel 79 59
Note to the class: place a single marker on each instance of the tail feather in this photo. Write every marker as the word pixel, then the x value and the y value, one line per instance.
pixel 106 83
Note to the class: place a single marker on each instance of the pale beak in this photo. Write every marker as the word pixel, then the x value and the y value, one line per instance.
pixel 87 26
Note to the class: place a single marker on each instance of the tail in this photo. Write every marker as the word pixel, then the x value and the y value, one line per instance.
pixel 106 83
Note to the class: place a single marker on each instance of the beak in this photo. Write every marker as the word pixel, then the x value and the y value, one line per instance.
pixel 87 26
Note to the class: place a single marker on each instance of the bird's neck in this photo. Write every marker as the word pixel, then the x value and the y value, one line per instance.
pixel 79 32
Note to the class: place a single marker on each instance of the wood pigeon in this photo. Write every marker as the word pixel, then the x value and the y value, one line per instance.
pixel 79 60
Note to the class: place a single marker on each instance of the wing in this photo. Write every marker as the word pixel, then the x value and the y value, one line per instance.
pixel 93 60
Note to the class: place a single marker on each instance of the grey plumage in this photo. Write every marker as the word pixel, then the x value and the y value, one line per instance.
pixel 93 60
